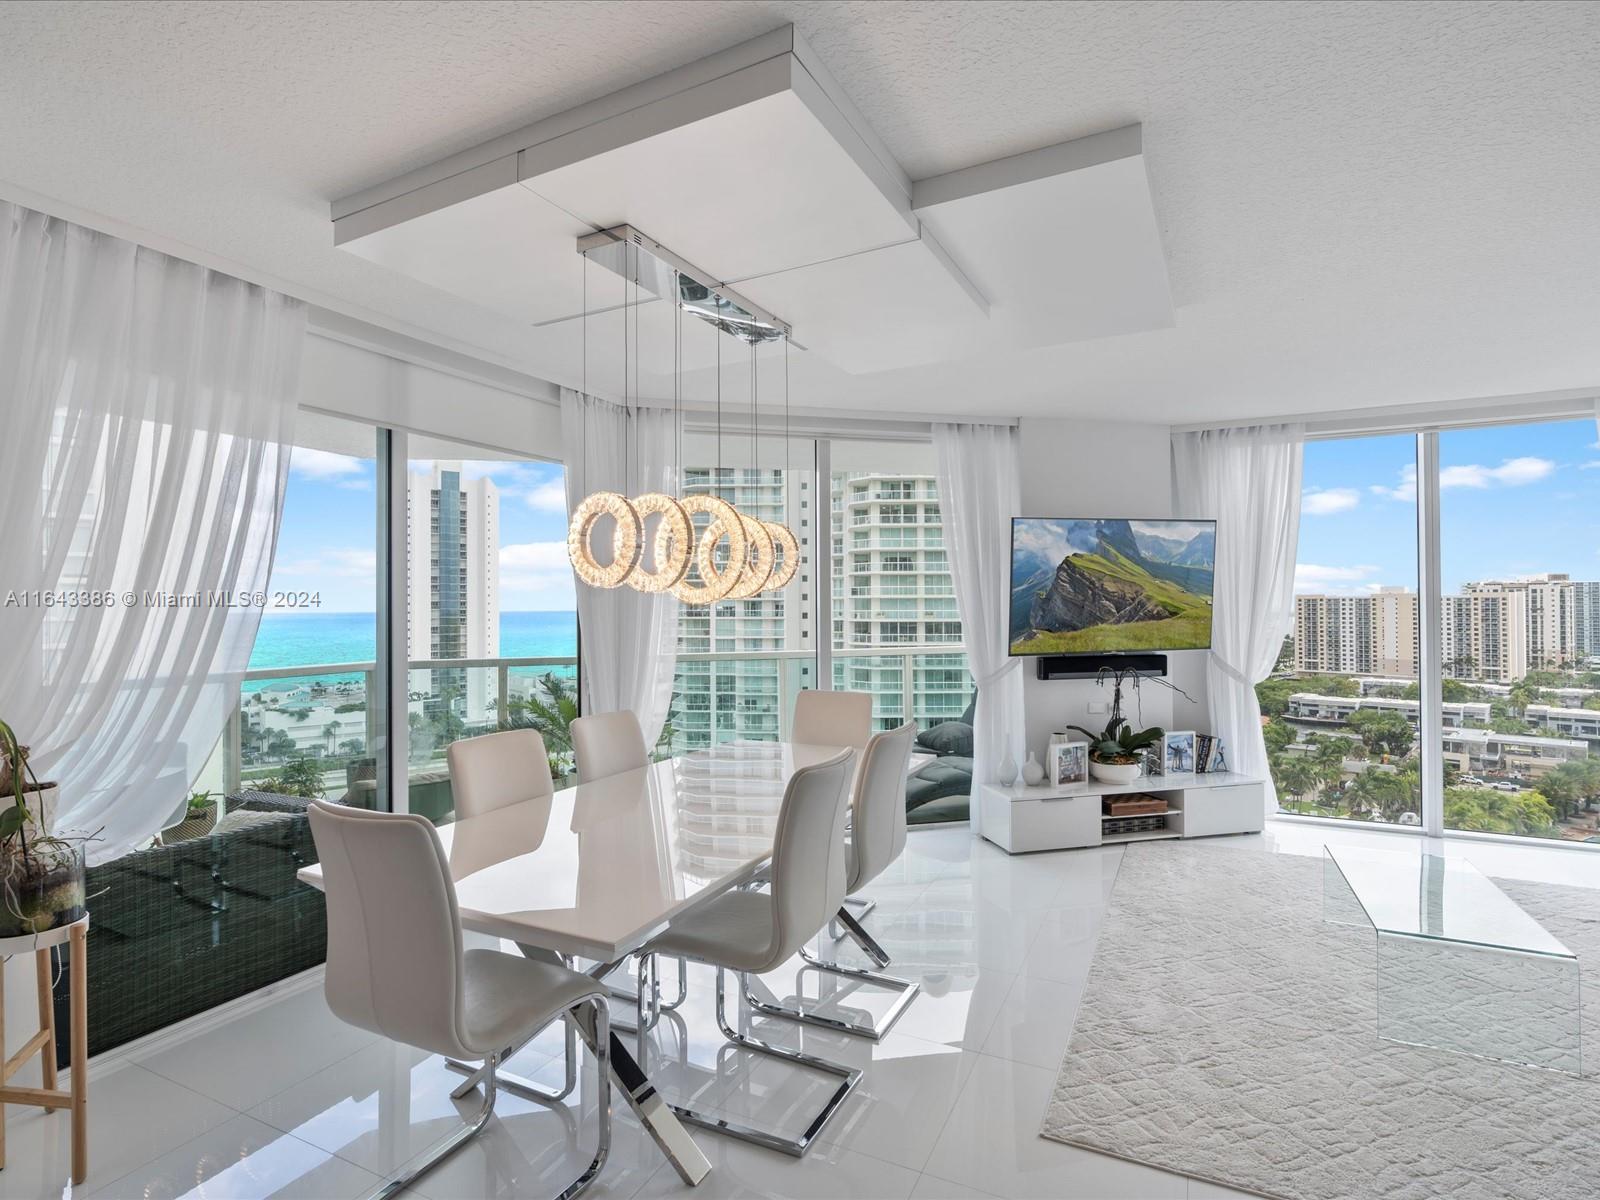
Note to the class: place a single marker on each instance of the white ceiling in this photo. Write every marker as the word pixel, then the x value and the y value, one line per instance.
pixel 1360 204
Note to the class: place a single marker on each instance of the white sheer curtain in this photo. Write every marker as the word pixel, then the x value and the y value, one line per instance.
pixel 146 416
pixel 1249 481
pixel 629 639
pixel 980 490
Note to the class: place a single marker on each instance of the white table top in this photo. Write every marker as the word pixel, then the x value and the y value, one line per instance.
pixel 596 870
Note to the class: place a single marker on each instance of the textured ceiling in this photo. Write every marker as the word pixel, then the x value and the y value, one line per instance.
pixel 1362 204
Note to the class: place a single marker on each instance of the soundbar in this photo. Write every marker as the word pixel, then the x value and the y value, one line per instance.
pixel 1087 666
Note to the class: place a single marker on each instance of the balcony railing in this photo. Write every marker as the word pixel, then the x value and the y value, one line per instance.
pixel 331 716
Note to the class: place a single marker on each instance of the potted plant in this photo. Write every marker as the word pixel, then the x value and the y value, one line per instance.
pixel 41 875
pixel 199 819
pixel 1116 753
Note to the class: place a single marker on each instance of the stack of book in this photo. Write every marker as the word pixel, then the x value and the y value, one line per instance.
pixel 1208 754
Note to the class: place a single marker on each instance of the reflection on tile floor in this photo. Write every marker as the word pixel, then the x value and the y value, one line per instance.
pixel 286 1101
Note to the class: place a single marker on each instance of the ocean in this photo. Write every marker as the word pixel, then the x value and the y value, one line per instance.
pixel 305 638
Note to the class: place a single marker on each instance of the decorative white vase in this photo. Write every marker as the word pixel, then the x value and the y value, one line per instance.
pixel 1032 771
pixel 1008 769
pixel 1114 772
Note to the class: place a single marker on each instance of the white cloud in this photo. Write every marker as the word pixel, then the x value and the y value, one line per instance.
pixel 326 466
pixel 1405 490
pixel 1322 502
pixel 1513 472
pixel 535 576
pixel 534 556
pixel 1313 577
pixel 550 496
pixel 342 562
pixel 1590 466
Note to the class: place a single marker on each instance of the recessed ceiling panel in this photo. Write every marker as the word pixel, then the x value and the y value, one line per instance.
pixel 1064 258
pixel 892 307
pixel 756 189
pixel 509 250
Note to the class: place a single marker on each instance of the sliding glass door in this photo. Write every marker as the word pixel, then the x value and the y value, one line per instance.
pixel 492 628
pixel 895 631
pixel 210 909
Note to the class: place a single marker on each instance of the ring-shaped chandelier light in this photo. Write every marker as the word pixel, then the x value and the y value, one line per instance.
pixel 624 539
pixel 725 526
pixel 758 561
pixel 670 548
pixel 788 555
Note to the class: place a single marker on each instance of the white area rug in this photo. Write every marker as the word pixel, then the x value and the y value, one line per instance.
pixel 1226 1032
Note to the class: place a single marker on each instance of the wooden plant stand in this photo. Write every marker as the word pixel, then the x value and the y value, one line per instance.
pixel 43 1043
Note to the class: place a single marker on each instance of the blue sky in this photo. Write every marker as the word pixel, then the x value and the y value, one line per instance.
pixel 1515 500
pixel 327 540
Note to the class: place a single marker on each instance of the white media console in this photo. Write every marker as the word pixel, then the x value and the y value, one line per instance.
pixel 1021 818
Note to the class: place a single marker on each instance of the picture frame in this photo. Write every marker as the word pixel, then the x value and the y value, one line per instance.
pixel 1178 753
pixel 1067 764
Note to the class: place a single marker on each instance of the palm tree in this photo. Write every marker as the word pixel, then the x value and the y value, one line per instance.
pixel 551 713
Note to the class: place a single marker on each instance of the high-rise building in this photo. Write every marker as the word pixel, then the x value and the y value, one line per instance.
pixel 1483 634
pixel 1374 633
pixel 1551 638
pixel 1586 618
pixel 1397 633
pixel 720 699
pixel 891 590
pixel 454 581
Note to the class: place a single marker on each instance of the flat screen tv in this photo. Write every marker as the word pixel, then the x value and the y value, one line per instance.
pixel 1095 586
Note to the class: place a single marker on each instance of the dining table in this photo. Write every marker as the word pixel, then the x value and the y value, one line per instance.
pixel 595 871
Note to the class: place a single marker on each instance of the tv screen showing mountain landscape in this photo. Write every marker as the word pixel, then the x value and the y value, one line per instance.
pixel 1086 586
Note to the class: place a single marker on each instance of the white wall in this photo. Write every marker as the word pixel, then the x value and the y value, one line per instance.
pixel 1103 469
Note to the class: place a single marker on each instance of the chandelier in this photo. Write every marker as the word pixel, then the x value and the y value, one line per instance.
pixel 733 556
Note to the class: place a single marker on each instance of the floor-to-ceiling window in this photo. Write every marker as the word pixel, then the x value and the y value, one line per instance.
pixel 742 662
pixel 1343 707
pixel 1519 518
pixel 210 908
pixel 1514 606
pixel 491 629
pixel 893 624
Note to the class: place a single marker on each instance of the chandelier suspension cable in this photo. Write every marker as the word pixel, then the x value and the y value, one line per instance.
pixel 628 421
pixel 677 378
pixel 717 334
pixel 583 488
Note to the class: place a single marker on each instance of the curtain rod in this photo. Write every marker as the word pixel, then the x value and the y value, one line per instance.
pixel 1570 404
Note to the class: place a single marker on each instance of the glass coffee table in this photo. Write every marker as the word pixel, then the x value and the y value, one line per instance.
pixel 1459 965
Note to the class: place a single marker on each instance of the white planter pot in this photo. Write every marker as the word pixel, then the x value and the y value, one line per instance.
pixel 1114 772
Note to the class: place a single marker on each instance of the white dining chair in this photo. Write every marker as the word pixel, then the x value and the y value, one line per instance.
pixel 608 744
pixel 497 769
pixel 487 773
pixel 877 838
pixel 396 967
pixel 832 719
pixel 750 932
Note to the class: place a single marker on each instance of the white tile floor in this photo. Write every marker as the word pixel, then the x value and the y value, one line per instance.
pixel 286 1101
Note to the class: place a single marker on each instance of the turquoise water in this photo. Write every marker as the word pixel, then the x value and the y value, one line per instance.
pixel 305 638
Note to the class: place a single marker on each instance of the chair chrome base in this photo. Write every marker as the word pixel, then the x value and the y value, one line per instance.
pixel 866 905
pixel 516 1084
pixel 907 988
pixel 848 1077
pixel 413 1170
